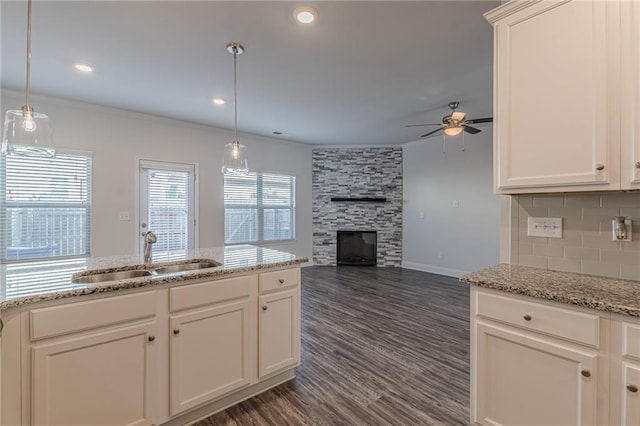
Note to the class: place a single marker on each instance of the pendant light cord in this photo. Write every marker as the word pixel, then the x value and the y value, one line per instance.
pixel 28 54
pixel 235 95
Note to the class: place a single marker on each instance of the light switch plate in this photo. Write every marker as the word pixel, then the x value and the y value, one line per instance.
pixel 548 227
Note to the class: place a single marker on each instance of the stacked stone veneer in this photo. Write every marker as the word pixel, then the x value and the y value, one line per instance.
pixel 357 172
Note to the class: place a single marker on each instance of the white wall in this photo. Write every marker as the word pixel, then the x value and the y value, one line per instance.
pixel 118 138
pixel 466 237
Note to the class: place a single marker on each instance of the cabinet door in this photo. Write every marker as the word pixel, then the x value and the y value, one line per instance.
pixel 103 378
pixel 522 380
pixel 556 123
pixel 209 354
pixel 631 396
pixel 630 140
pixel 279 331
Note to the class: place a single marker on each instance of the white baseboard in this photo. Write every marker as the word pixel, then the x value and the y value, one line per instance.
pixel 456 273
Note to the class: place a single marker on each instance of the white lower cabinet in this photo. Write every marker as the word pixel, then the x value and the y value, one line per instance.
pixel 210 354
pixel 537 363
pixel 625 374
pixel 171 354
pixel 630 394
pixel 101 378
pixel 533 380
pixel 279 331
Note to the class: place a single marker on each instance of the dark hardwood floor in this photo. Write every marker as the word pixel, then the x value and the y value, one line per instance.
pixel 380 346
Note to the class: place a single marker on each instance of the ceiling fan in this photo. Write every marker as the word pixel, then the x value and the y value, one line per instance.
pixel 454 123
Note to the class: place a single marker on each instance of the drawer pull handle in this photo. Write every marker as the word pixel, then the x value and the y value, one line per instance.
pixel 152 338
pixel 586 373
pixel 638 165
pixel 176 331
pixel 264 308
pixel 600 167
pixel 281 280
pixel 527 317
pixel 632 388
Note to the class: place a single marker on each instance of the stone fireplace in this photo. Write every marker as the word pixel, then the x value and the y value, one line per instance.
pixel 357 189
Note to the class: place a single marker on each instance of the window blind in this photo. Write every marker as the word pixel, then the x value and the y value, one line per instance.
pixel 259 207
pixel 45 207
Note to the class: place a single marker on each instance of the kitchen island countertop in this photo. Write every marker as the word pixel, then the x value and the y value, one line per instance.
pixel 605 294
pixel 37 281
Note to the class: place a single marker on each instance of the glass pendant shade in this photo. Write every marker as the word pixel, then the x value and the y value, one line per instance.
pixel 453 131
pixel 235 159
pixel 235 154
pixel 27 133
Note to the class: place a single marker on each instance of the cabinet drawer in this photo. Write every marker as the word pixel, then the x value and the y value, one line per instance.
pixel 279 279
pixel 631 343
pixel 57 320
pixel 566 324
pixel 191 296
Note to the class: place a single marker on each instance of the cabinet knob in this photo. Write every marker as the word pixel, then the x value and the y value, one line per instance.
pixel 264 308
pixel 176 331
pixel 586 373
pixel 600 167
pixel 527 317
pixel 281 280
pixel 632 388
pixel 151 338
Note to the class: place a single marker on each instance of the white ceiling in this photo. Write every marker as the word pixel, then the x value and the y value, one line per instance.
pixel 357 76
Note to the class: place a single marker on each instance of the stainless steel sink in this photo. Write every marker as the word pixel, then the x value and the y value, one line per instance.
pixel 111 276
pixel 99 277
pixel 184 267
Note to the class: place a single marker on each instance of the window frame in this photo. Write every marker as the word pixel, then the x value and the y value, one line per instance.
pixel 260 207
pixel 88 207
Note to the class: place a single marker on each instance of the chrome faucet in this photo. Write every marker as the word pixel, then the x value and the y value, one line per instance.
pixel 149 239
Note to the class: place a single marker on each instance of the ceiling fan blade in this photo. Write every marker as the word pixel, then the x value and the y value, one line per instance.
pixel 431 132
pixel 480 120
pixel 471 130
pixel 421 125
pixel 458 116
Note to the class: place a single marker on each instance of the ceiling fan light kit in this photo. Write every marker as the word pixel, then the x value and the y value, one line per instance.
pixel 235 154
pixel 25 131
pixel 453 130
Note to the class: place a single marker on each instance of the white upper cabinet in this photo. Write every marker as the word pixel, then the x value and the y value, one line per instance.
pixel 557 104
pixel 630 37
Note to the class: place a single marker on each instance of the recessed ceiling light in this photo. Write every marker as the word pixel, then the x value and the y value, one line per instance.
pixel 305 15
pixel 219 101
pixel 82 66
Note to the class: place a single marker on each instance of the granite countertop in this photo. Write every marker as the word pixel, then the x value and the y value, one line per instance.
pixel 31 282
pixel 605 294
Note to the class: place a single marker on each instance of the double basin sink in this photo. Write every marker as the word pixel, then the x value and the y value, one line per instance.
pixel 135 272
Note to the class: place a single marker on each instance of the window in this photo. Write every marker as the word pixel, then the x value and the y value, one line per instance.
pixel 167 206
pixel 45 207
pixel 258 207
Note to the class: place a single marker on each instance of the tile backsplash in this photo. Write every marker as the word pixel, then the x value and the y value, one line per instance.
pixel 586 245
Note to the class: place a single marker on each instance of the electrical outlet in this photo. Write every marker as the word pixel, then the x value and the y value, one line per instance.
pixel 124 216
pixel 548 227
pixel 440 255
pixel 455 204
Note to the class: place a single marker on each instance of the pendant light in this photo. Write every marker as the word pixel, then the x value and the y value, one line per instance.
pixel 27 132
pixel 235 154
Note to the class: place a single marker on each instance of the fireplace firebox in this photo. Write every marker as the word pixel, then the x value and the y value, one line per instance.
pixel 357 248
